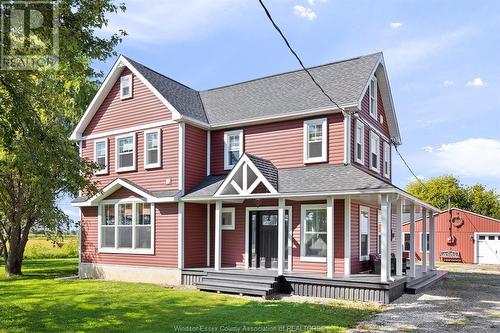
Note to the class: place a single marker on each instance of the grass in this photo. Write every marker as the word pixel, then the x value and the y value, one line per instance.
pixel 38 247
pixel 37 302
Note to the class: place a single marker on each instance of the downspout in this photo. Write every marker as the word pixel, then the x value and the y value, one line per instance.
pixel 347 137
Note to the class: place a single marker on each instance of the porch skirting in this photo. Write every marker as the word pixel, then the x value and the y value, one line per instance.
pixel 127 273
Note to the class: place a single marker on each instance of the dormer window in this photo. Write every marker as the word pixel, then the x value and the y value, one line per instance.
pixel 373 97
pixel 101 156
pixel 233 148
pixel 315 137
pixel 126 86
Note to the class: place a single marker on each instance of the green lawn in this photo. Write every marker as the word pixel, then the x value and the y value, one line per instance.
pixel 36 302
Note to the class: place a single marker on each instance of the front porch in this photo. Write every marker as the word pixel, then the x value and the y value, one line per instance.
pixel 268 283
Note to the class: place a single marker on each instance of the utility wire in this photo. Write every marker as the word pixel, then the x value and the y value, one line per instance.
pixel 268 14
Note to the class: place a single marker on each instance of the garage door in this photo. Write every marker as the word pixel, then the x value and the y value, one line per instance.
pixel 488 249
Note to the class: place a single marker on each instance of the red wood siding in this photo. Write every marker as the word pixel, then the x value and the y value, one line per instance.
pixel 376 124
pixel 282 143
pixel 195 235
pixel 143 108
pixel 196 156
pixel 473 223
pixel 165 240
pixel 150 179
pixel 122 193
pixel 358 266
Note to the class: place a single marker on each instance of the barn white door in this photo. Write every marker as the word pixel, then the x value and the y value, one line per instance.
pixel 488 249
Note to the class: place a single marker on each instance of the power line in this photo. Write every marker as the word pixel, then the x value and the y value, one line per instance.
pixel 268 14
pixel 297 56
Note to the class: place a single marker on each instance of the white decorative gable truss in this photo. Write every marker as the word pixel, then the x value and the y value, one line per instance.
pixel 248 175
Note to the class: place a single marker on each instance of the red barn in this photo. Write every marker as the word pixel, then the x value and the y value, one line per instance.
pixel 461 236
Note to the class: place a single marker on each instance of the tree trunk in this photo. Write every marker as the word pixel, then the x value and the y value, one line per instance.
pixel 14 263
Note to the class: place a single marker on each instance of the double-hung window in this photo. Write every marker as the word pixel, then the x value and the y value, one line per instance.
pixel 125 152
pixel 373 97
pixel 152 149
pixel 315 140
pixel 364 233
pixel 101 156
pixel 130 232
pixel 387 160
pixel 126 86
pixel 313 239
pixel 233 148
pixel 374 152
pixel 360 142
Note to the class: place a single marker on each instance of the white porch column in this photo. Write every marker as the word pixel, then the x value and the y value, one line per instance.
pixel 347 235
pixel 281 235
pixel 412 241
pixel 329 236
pixel 385 248
pixel 208 234
pixel 432 260
pixel 180 235
pixel 423 240
pixel 399 235
pixel 218 234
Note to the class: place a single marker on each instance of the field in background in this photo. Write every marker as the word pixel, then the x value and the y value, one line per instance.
pixel 38 247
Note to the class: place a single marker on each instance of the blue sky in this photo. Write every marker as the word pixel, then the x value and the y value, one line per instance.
pixel 442 58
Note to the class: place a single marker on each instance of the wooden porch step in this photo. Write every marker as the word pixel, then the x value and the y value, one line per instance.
pixel 251 283
pixel 421 284
pixel 235 289
pixel 242 276
pixel 239 280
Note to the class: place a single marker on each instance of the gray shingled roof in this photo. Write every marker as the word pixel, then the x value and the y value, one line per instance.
pixel 184 99
pixel 156 194
pixel 266 168
pixel 275 95
pixel 323 178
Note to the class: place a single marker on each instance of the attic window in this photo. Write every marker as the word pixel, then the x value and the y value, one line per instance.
pixel 373 97
pixel 126 86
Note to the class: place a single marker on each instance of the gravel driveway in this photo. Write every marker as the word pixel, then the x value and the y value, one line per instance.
pixel 467 300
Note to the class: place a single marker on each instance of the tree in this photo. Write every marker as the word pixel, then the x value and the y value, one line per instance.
pixel 437 191
pixel 38 110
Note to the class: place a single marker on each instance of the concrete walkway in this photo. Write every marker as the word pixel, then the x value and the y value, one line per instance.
pixel 467 300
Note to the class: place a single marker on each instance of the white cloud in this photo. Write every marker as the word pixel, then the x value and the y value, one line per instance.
pixel 304 12
pixel 396 25
pixel 475 157
pixel 159 21
pixel 428 149
pixel 412 179
pixel 313 2
pixel 448 82
pixel 476 82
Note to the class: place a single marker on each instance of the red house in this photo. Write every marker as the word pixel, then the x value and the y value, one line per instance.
pixel 253 188
pixel 460 236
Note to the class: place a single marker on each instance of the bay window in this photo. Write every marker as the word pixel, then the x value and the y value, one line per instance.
pixel 313 239
pixel 130 232
pixel 364 233
pixel 360 142
pixel 233 148
pixel 152 149
pixel 125 152
pixel 315 140
pixel 374 152
pixel 101 156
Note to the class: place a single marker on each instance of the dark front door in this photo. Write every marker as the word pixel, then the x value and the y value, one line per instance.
pixel 263 238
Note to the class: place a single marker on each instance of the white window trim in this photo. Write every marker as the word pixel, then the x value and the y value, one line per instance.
pixel 228 166
pixel 373 112
pixel 122 79
pixel 231 210
pixel 373 136
pixel 428 245
pixel 367 257
pixel 359 127
pixel 105 170
pixel 387 158
pixel 403 241
pixel 134 152
pixel 152 165
pixel 303 256
pixel 116 249
pixel 324 132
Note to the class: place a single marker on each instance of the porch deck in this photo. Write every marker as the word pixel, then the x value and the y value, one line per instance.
pixel 363 286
